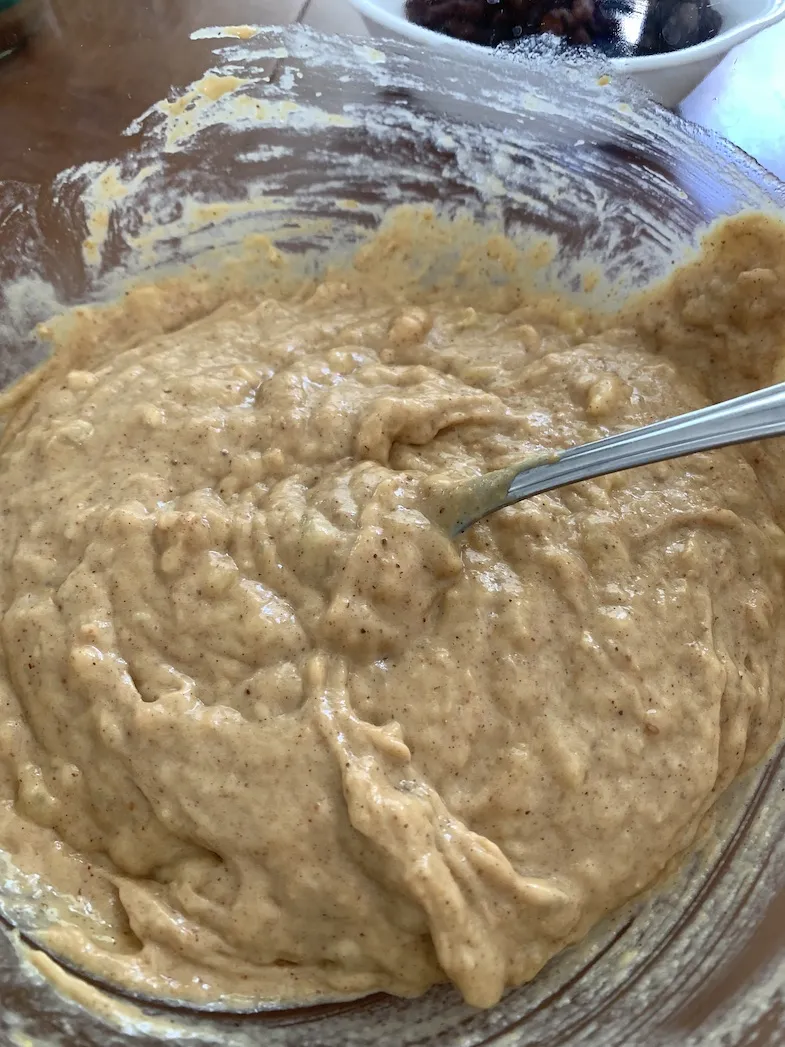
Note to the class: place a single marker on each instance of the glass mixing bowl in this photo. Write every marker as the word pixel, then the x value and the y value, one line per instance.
pixel 311 143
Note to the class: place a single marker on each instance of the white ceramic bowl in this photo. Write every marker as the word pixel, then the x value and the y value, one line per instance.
pixel 670 77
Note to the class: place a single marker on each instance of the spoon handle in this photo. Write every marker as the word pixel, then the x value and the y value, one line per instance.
pixel 752 417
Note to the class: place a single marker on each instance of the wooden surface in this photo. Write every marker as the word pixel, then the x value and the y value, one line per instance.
pixel 92 65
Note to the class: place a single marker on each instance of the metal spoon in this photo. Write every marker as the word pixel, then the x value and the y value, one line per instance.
pixel 752 417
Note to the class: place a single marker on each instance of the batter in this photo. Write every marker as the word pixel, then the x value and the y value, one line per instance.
pixel 267 733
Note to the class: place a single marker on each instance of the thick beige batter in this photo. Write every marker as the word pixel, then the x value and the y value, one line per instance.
pixel 273 731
